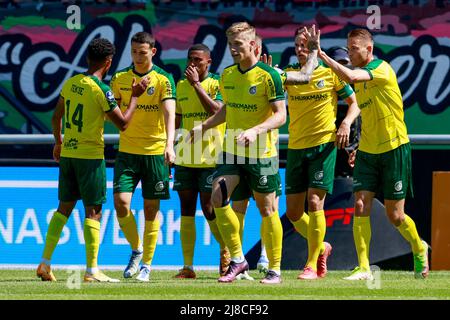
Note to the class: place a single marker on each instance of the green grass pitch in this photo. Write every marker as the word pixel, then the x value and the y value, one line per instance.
pixel 392 285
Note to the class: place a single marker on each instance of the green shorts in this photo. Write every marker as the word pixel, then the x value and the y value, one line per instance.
pixel 150 170
pixel 259 174
pixel 243 191
pixel 187 178
pixel 310 168
pixel 389 172
pixel 83 179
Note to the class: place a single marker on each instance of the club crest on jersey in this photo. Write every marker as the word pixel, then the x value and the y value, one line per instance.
pixel 109 96
pixel 210 179
pixel 398 186
pixel 320 84
pixel 318 175
pixel 151 91
pixel 252 90
pixel 263 180
pixel 159 186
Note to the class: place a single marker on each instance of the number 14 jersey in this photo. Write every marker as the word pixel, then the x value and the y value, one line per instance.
pixel 86 100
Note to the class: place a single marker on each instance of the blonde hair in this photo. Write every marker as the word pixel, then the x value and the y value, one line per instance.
pixel 242 28
pixel 362 34
pixel 258 40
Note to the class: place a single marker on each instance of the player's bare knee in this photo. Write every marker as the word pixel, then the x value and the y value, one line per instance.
pixel 359 207
pixel 396 217
pixel 94 213
pixel 120 203
pixel 207 207
pixel 209 215
pixel 265 210
pixel 240 206
pixel 66 208
pixel 188 209
pixel 151 209
pixel 293 215
pixel 219 196
pixel 208 210
pixel 216 198
pixel 314 204
pixel 65 212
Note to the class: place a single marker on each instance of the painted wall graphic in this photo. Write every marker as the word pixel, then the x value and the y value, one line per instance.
pixel 38 52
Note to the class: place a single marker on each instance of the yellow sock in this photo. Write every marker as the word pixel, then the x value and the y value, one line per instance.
pixel 241 218
pixel 273 239
pixel 53 234
pixel 361 235
pixel 229 227
pixel 216 233
pixel 408 230
pixel 150 238
pixel 262 231
pixel 188 236
pixel 92 240
pixel 316 234
pixel 130 231
pixel 301 226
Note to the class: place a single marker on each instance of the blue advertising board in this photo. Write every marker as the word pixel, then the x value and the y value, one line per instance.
pixel 29 196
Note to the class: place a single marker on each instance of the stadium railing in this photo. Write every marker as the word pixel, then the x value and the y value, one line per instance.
pixel 12 139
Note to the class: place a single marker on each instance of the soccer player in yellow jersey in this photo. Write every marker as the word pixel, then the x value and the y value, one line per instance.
pixel 311 153
pixel 384 155
pixel 83 103
pixel 145 151
pixel 198 97
pixel 241 196
pixel 254 109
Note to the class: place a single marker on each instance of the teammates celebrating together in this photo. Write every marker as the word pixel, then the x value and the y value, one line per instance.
pixel 227 150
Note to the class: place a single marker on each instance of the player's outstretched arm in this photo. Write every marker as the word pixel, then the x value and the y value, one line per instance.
pixel 305 73
pixel 58 114
pixel 343 132
pixel 346 74
pixel 122 120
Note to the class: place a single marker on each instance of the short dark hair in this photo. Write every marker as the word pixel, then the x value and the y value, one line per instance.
pixel 144 37
pixel 100 49
pixel 299 30
pixel 199 47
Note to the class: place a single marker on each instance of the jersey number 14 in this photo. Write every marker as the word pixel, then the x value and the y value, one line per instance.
pixel 77 116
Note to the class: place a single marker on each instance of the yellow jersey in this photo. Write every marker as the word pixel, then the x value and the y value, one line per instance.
pixel 247 97
pixel 146 133
pixel 313 107
pixel 86 99
pixel 204 152
pixel 380 100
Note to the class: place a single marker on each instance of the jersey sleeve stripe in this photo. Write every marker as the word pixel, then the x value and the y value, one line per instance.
pixel 372 66
pixel 276 78
pixel 345 92
pixel 105 89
